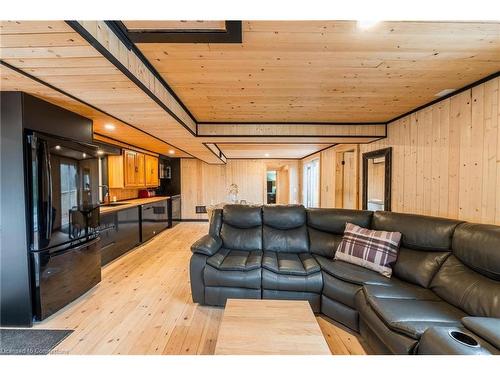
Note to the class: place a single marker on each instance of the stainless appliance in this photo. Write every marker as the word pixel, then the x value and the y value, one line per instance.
pixel 63 208
pixel 175 210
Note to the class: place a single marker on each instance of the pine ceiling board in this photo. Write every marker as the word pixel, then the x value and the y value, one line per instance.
pixel 269 150
pixel 364 75
pixel 99 84
pixel 13 81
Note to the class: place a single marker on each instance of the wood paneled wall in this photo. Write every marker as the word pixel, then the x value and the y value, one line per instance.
pixel 446 157
pixel 205 184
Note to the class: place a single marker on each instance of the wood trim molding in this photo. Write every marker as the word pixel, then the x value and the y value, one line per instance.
pixel 277 130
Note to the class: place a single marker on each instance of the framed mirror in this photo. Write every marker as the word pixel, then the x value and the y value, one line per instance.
pixel 377 167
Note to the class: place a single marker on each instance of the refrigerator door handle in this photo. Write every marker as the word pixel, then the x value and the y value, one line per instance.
pixel 47 171
pixel 79 247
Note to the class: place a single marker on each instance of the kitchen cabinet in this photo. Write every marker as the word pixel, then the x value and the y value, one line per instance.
pixel 132 170
pixel 134 164
pixel 151 171
pixel 154 219
pixel 115 172
pixel 119 231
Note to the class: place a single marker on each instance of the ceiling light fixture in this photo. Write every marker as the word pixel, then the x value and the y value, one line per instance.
pixel 84 155
pixel 100 152
pixel 266 155
pixel 109 127
pixel 367 24
pixel 58 147
pixel 444 92
pixel 171 152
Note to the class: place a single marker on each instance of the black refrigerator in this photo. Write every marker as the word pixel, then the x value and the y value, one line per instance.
pixel 63 220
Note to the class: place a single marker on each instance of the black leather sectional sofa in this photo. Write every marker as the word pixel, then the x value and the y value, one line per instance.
pixel 443 297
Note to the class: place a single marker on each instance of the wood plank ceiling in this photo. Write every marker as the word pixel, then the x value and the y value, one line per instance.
pixel 269 150
pixel 15 81
pixel 282 72
pixel 326 71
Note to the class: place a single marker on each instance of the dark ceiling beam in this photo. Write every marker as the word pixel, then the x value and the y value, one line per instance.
pixel 231 34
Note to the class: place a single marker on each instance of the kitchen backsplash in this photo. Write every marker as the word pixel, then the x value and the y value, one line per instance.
pixel 122 194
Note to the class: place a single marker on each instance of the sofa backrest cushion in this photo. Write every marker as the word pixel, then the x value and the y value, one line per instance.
pixel 419 232
pixel 478 246
pixel 242 216
pixel 418 267
pixel 284 229
pixel 241 227
pixel 326 227
pixel 467 289
pixel 425 243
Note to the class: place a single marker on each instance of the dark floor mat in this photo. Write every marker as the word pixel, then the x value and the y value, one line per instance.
pixel 30 341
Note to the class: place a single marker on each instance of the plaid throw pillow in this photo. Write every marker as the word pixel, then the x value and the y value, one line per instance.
pixel 372 249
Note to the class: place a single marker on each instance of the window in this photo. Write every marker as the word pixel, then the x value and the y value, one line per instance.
pixel 311 184
pixel 69 194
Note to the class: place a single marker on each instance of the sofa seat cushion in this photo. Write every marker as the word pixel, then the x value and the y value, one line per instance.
pixel 212 277
pixel 412 317
pixel 235 260
pixel 399 290
pixel 312 283
pixel 351 272
pixel 296 264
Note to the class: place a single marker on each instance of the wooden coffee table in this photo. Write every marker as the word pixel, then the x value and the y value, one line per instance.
pixel 269 327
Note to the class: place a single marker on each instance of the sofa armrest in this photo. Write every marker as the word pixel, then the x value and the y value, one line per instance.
pixel 486 328
pixel 207 245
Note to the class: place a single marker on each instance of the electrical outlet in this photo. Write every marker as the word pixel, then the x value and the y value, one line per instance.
pixel 201 209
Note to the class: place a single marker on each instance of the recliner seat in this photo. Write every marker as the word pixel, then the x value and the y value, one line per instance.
pixel 447 271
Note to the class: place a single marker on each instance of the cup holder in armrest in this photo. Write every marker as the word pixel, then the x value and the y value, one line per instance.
pixel 464 338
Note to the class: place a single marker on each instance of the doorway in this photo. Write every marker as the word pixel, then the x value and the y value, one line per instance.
pixel 346 178
pixel 271 177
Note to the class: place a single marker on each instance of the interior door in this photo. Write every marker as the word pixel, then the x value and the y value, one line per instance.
pixel 349 181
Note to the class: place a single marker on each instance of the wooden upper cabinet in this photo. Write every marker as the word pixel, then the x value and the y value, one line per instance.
pixel 132 170
pixel 140 170
pixel 115 172
pixel 151 171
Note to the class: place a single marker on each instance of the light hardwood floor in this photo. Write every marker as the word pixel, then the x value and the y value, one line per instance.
pixel 143 306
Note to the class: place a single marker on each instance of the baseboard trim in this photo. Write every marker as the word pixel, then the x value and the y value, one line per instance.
pixel 195 220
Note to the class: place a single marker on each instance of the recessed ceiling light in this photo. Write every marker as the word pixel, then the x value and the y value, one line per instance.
pixel 109 127
pixel 100 152
pixel 444 92
pixel 266 155
pixel 58 147
pixel 84 155
pixel 171 152
pixel 367 24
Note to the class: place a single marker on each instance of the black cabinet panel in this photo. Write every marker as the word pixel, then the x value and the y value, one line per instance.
pixel 64 276
pixel 154 219
pixel 120 232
